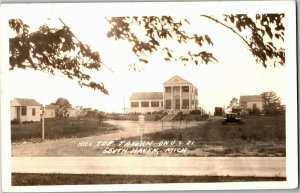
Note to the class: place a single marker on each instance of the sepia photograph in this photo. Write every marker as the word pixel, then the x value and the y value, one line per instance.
pixel 149 96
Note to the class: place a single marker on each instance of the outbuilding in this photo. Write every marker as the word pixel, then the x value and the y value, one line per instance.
pixel 23 110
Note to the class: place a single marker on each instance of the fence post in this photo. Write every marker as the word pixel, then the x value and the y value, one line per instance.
pixel 43 124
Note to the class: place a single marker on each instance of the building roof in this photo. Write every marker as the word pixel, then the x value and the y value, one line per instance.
pixel 177 80
pixel 27 102
pixel 251 98
pixel 146 96
pixel 56 107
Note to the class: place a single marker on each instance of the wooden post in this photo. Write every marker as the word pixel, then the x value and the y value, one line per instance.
pixel 43 124
pixel 141 126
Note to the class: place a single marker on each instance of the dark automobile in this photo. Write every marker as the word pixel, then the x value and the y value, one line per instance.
pixel 231 118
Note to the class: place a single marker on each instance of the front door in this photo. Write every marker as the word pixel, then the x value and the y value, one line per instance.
pixel 18 114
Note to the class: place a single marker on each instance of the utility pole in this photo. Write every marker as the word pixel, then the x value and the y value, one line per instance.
pixel 124 108
pixel 43 123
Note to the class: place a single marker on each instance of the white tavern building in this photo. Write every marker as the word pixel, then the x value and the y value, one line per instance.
pixel 178 95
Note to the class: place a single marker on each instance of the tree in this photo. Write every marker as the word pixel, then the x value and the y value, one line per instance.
pixel 59 51
pixel 265 30
pixel 154 30
pixel 257 33
pixel 271 103
pixel 55 51
pixel 79 112
pixel 62 103
pixel 234 102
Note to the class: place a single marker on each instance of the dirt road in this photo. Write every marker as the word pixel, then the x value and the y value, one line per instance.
pixel 210 166
pixel 68 147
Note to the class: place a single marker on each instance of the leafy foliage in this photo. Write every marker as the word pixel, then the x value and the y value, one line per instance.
pixel 54 51
pixel 271 102
pixel 233 102
pixel 58 51
pixel 153 30
pixel 62 103
pixel 264 38
pixel 259 34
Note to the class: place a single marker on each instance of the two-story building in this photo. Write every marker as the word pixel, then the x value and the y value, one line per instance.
pixel 178 95
pixel 250 102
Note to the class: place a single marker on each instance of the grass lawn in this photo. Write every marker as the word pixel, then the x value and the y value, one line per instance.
pixel 256 128
pixel 55 129
pixel 259 136
pixel 21 179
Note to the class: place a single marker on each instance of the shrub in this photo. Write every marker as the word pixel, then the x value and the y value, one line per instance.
pixel 195 112
pixel 14 122
pixel 254 111
pixel 243 136
pixel 160 112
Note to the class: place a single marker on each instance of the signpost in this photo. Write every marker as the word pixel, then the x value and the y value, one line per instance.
pixel 43 123
pixel 141 129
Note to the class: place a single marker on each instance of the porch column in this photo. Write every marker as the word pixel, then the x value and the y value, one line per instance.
pixel 180 98
pixel 163 105
pixel 190 102
pixel 172 97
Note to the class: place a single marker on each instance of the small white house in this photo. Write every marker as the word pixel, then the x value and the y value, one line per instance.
pixel 51 111
pixel 72 112
pixel 251 102
pixel 25 110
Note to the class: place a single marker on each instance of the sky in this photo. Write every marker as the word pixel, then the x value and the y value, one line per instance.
pixel 235 74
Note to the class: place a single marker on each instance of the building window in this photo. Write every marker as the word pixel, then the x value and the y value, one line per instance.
pixel 192 102
pixel 168 89
pixel 176 89
pixel 134 104
pixel 177 104
pixel 33 111
pixel 185 104
pixel 145 104
pixel 162 104
pixel 243 104
pixel 196 92
pixel 24 111
pixel 185 89
pixel 168 104
pixel 254 106
pixel 154 103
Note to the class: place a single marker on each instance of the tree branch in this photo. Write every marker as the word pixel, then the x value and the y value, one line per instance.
pixel 84 45
pixel 217 21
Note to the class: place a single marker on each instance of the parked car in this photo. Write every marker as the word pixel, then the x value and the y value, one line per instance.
pixel 231 118
pixel 218 111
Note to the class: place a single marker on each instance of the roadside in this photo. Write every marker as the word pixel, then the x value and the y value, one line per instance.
pixel 21 179
pixel 60 128
pixel 68 146
pixel 260 136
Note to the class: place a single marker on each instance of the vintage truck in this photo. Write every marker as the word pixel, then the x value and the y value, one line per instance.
pixel 231 118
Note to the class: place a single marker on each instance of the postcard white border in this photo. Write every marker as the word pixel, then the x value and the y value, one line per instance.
pixel 155 8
